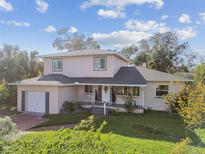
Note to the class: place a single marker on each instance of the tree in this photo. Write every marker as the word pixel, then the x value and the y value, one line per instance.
pixel 16 64
pixel 129 52
pixel 164 52
pixel 199 73
pixel 189 104
pixel 73 41
pixel 35 65
pixel 4 92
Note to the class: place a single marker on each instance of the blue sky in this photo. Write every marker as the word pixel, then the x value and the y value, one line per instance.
pixel 32 24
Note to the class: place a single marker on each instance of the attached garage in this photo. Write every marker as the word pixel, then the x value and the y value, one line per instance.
pixel 39 99
pixel 36 102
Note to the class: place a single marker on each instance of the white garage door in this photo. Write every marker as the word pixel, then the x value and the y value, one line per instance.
pixel 36 102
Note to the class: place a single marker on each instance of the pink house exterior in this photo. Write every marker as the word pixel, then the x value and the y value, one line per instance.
pixel 94 78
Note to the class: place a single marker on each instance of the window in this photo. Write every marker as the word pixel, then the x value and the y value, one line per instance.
pixel 88 89
pixel 99 63
pixel 135 91
pixel 119 90
pixel 127 91
pixel 57 65
pixel 162 90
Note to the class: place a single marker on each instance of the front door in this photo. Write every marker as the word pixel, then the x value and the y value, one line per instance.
pixel 98 94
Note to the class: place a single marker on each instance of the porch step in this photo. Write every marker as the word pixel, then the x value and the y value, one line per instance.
pixel 99 110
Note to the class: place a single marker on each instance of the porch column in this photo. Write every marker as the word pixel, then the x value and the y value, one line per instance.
pixel 142 97
pixel 94 88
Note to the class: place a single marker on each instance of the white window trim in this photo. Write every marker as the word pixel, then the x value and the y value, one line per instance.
pixel 129 95
pixel 87 93
pixel 100 57
pixel 57 70
pixel 155 92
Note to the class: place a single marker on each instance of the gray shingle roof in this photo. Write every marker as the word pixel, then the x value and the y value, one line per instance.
pixel 125 75
pixel 57 77
pixel 153 75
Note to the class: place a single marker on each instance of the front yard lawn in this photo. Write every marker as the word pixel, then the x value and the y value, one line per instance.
pixel 150 125
pixel 61 119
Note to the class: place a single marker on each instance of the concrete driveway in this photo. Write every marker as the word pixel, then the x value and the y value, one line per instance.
pixel 25 121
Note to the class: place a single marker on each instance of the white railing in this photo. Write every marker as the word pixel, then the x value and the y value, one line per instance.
pixel 105 109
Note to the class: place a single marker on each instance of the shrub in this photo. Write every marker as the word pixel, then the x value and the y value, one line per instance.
pixel 7 129
pixel 189 104
pixel 83 139
pixel 69 106
pixel 86 125
pixel 181 147
pixel 89 125
pixel 114 112
pixel 129 103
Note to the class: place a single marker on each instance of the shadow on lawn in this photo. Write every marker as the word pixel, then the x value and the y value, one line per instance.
pixel 151 125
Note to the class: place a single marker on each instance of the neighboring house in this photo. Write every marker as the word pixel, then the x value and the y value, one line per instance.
pixel 92 78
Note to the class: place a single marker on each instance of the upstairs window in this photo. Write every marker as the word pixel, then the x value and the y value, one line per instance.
pixel 162 90
pixel 88 89
pixel 57 65
pixel 99 63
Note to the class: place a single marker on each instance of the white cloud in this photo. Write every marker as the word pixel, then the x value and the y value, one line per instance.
pixel 73 30
pixel 120 39
pixel 198 22
pixel 202 16
pixel 50 29
pixel 186 33
pixel 149 25
pixel 41 6
pixel 111 13
pixel 164 17
pixel 5 6
pixel 185 18
pixel 15 23
pixel 120 3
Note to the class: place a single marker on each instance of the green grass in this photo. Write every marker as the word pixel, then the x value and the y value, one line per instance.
pixel 150 125
pixel 149 133
pixel 69 141
pixel 61 119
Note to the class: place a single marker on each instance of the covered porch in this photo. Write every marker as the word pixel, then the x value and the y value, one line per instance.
pixel 112 97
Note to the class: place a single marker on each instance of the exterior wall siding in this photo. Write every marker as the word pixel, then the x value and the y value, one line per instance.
pixel 79 67
pixel 82 66
pixel 82 97
pixel 57 95
pixel 121 100
pixel 53 94
pixel 157 103
pixel 68 93
pixel 117 63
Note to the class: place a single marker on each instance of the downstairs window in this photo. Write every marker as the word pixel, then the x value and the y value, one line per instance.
pixel 162 90
pixel 88 89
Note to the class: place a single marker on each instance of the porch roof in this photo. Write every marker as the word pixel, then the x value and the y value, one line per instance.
pixel 125 76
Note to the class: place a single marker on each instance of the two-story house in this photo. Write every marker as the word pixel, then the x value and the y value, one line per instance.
pixel 92 78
